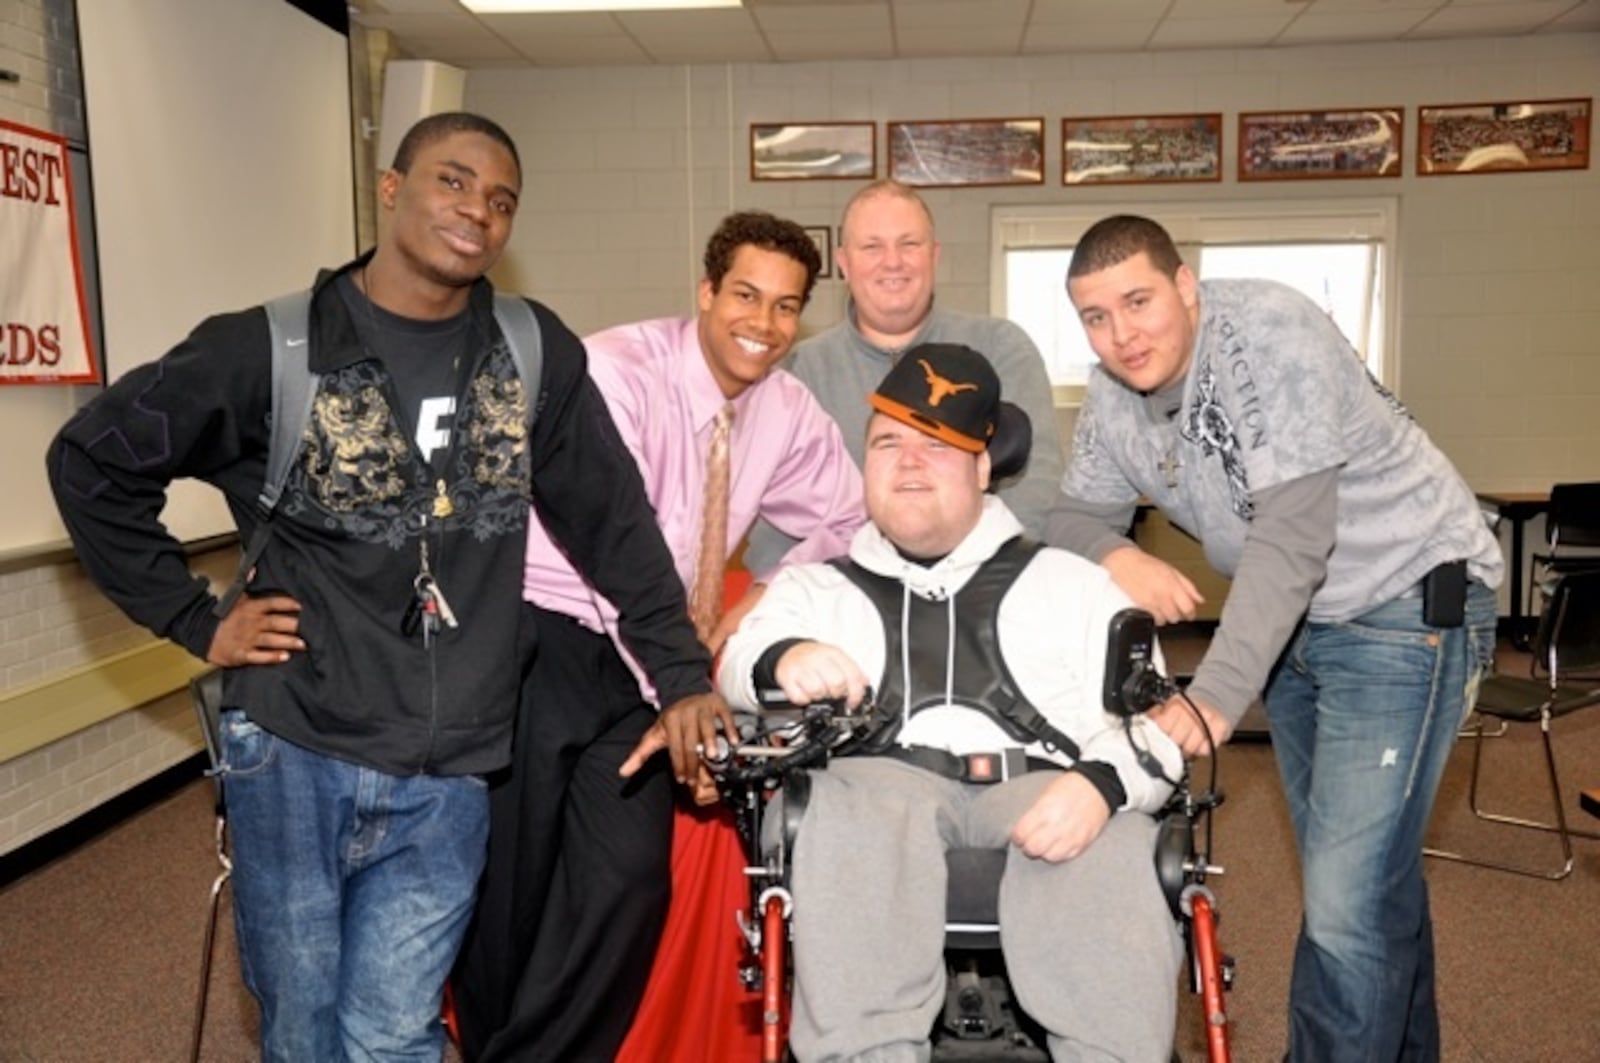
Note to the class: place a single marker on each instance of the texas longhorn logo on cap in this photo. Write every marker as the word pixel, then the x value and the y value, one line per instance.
pixel 939 387
pixel 946 390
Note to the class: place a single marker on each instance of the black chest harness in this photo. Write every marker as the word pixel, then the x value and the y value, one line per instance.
pixel 975 669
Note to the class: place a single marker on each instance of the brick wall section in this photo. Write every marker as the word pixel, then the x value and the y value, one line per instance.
pixel 52 620
pixel 38 41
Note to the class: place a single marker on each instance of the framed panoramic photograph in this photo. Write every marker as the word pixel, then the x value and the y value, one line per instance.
pixel 1500 137
pixel 1282 146
pixel 1141 150
pixel 806 151
pixel 999 151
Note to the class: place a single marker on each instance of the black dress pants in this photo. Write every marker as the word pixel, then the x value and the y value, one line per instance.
pixel 575 891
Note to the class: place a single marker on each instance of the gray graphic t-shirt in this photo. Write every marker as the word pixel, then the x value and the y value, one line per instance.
pixel 1275 393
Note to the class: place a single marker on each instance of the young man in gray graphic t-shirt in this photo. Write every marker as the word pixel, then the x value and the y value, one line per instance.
pixel 1242 413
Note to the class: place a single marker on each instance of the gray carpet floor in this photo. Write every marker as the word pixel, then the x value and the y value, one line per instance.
pixel 99 951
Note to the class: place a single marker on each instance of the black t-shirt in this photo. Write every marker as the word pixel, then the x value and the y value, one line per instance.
pixel 423 359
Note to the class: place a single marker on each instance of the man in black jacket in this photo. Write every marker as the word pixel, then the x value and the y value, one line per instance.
pixel 357 728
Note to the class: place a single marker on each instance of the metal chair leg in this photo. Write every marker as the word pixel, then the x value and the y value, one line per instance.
pixel 208 946
pixel 1558 828
pixel 1478 730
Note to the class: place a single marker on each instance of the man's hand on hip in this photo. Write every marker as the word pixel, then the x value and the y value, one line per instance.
pixel 261 630
pixel 1155 586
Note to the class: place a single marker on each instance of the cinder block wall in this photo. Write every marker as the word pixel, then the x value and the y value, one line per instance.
pixel 629 169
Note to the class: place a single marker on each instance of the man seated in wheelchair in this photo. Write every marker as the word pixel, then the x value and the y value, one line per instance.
pixel 986 653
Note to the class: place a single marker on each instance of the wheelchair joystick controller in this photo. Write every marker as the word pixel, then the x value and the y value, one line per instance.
pixel 1132 682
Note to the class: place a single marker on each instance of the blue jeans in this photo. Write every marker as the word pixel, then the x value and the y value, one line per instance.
pixel 1363 717
pixel 352 891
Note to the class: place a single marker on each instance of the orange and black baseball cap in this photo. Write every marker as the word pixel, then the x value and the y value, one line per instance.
pixel 946 390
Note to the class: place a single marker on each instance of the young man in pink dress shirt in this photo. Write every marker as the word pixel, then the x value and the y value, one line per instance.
pixel 578 879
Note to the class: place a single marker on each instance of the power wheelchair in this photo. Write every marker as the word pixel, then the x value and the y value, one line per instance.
pixel 980 1020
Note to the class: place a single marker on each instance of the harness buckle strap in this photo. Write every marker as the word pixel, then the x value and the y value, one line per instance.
pixel 994 767
pixel 981 769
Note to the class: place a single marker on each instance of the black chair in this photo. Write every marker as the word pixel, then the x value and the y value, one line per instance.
pixel 1568 642
pixel 1571 534
pixel 206 689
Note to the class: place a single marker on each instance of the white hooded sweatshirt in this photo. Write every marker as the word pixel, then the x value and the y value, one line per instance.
pixel 1053 628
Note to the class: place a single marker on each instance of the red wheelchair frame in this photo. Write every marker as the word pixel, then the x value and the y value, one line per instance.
pixel 779 754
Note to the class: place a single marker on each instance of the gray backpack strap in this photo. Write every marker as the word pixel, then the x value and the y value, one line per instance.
pixel 289 318
pixel 521 329
pixel 293 390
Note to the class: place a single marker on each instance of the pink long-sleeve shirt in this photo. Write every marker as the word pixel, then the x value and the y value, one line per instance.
pixel 789 463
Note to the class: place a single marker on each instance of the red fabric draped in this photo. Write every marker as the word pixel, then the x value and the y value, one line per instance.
pixel 694 1008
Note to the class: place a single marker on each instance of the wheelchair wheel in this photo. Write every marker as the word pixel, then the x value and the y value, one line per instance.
pixel 1174 855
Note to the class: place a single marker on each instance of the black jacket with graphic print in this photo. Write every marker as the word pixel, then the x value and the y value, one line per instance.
pixel 347 535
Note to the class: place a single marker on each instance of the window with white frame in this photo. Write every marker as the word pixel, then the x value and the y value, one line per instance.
pixel 1338 252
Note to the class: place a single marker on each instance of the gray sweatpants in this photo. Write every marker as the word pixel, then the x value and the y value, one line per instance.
pixel 1092 950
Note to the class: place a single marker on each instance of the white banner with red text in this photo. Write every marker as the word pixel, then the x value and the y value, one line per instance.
pixel 44 320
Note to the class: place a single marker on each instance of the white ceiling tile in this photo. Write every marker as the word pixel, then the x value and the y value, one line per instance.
pixel 1586 16
pixel 1240 31
pixel 1098 36
pixel 839 19
pixel 570 24
pixel 812 30
pixel 545 48
pixel 958 14
pixel 1519 17
pixel 697 36
pixel 705 23
pixel 1349 26
pixel 1053 12
pixel 1328 7
pixel 1233 9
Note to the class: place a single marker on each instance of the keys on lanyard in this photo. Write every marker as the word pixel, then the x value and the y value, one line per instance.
pixel 429 609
